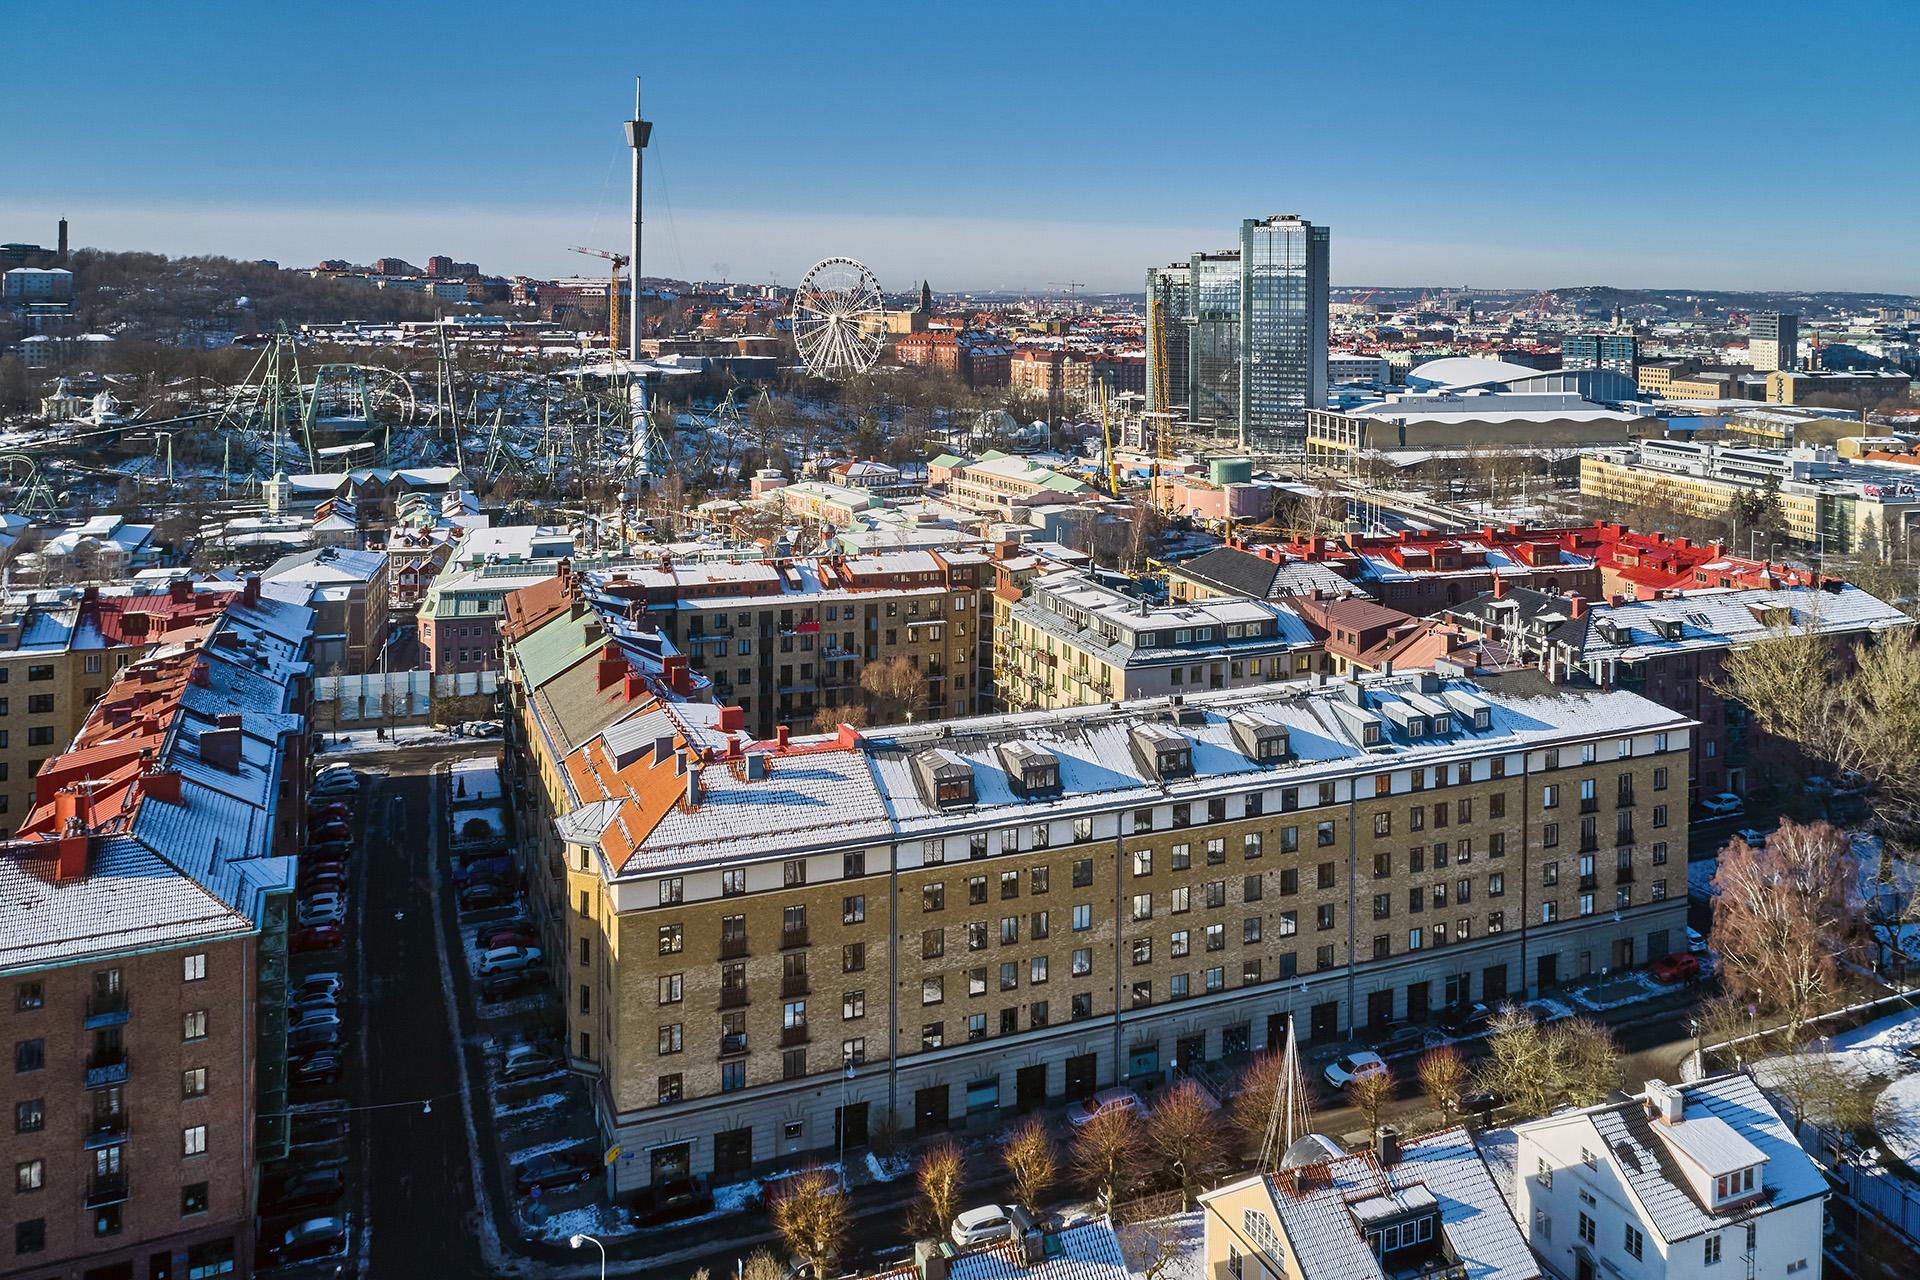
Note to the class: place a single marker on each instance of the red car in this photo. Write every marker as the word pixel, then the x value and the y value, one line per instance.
pixel 1681 966
pixel 332 811
pixel 330 830
pixel 510 935
pixel 328 849
pixel 326 937
pixel 323 866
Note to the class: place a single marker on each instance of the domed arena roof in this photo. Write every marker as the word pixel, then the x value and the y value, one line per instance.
pixel 1458 372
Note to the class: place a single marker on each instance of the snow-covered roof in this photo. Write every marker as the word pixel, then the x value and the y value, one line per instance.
pixel 1089 1251
pixel 1717 617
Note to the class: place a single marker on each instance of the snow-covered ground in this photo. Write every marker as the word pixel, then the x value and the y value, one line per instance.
pixel 475 781
pixel 1622 989
pixel 887 1168
pixel 605 1221
pixel 1180 1240
pixel 481 826
pixel 355 741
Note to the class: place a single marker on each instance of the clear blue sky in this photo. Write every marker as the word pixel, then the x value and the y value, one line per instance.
pixel 1748 145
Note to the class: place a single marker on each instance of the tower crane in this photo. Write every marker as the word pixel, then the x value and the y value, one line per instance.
pixel 1070 286
pixel 619 261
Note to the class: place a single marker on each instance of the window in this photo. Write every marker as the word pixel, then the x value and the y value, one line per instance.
pixel 193 1082
pixel 29 1176
pixel 1587 1232
pixel 1382 824
pixel 193 1141
pixel 853 957
pixel 853 864
pixel 193 1199
pixel 1216 893
pixel 933 989
pixel 30 1116
pixel 1659 815
pixel 193 1025
pixel 1082 918
pixel 1038 879
pixel 1009 930
pixel 1142 906
pixel 733 1076
pixel 670 988
pixel 853 1052
pixel 40 672
pixel 794 872
pixel 853 1005
pixel 1082 962
pixel 933 852
pixel 733 882
pixel 1082 873
pixel 933 897
pixel 853 909
pixel 40 737
pixel 1216 852
pixel 1550 796
pixel 193 967
pixel 976 890
pixel 1037 969
pixel 933 1035
pixel 1324 916
pixel 1635 1242
pixel 1216 936
pixel 1082 829
pixel 30 1236
pixel 670 1038
pixel 1143 950
pixel 1712 1250
pixel 671 939
pixel 1323 834
pixel 1037 924
pixel 1252 845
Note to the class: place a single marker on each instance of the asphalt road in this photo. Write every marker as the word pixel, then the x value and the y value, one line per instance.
pixel 420 1191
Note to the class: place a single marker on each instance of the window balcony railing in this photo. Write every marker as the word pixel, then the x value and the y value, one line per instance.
pixel 791 1036
pixel 733 997
pixel 106 1009
pixel 105 1189
pixel 791 986
pixel 105 1131
pixel 106 1067
pixel 733 1044
pixel 1589 882
pixel 791 938
pixel 733 948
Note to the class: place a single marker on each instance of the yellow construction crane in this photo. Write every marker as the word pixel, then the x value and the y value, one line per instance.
pixel 619 261
pixel 1112 465
pixel 1160 411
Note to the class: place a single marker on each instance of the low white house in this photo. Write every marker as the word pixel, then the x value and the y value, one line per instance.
pixel 1704 1182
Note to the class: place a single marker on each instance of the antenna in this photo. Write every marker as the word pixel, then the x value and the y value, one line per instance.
pixel 1291 1118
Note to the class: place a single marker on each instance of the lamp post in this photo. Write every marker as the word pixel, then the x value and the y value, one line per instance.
pixel 577 1240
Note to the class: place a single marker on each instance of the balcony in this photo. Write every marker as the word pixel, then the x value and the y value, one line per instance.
pixel 106 1131
pixel 1624 800
pixel 1589 882
pixel 733 948
pixel 791 938
pixel 791 1036
pixel 733 997
pixel 733 1045
pixel 793 985
pixel 1623 838
pixel 1623 876
pixel 105 1189
pixel 106 1067
pixel 106 1009
pixel 1590 804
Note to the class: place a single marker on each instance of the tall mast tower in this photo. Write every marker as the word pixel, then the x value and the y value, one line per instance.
pixel 638 132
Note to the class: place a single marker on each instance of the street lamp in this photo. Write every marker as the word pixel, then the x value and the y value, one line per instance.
pixel 577 1240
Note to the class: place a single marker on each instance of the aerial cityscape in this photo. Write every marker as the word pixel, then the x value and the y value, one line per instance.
pixel 1025 685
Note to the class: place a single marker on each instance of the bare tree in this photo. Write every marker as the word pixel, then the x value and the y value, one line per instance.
pixel 1784 918
pixel 1588 1060
pixel 1444 1077
pixel 1107 1154
pixel 1033 1165
pixel 1369 1091
pixel 829 719
pixel 1257 1094
pixel 940 1173
pixel 1537 1068
pixel 1184 1132
pixel 811 1215
pixel 762 1265
pixel 897 685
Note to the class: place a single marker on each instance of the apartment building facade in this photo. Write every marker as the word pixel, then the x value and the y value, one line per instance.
pixel 143 918
pixel 774 946
pixel 1074 641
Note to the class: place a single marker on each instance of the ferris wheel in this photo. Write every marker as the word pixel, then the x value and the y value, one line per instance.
pixel 837 324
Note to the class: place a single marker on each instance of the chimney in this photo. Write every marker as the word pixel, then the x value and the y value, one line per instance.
pixel 250 590
pixel 70 812
pixel 633 686
pixel 1499 587
pixel 161 784
pixel 1579 603
pixel 1387 1147
pixel 849 736
pixel 678 675
pixel 693 785
pixel 180 591
pixel 221 748
pixel 929 1260
pixel 199 676
pixel 780 736
pixel 612 668
pixel 1665 1103
pixel 732 720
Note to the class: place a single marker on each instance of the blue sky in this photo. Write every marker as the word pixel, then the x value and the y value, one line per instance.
pixel 988 144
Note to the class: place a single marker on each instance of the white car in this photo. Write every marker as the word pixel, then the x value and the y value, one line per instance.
pixel 1696 943
pixel 478 729
pixel 1753 836
pixel 984 1225
pixel 304 1018
pixel 1361 1062
pixel 1117 1098
pixel 321 908
pixel 1724 805
pixel 333 785
pixel 508 960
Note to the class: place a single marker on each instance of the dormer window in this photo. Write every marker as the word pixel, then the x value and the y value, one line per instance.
pixel 1033 771
pixel 1416 726
pixel 1262 741
pixel 1161 751
pixel 945 778
pixel 1732 1186
pixel 1483 719
pixel 1370 734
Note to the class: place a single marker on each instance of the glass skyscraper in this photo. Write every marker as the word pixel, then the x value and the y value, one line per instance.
pixel 1171 287
pixel 1282 329
pixel 1213 351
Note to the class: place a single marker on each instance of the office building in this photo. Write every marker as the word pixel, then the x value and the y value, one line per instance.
pixel 1169 330
pixel 1213 344
pixel 1773 342
pixel 1283 329
pixel 784 943
pixel 350 597
pixel 1617 351
pixel 143 918
pixel 1693 1182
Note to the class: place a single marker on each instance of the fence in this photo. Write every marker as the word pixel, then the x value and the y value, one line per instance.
pixel 1146 1208
pixel 394 697
pixel 1860 1177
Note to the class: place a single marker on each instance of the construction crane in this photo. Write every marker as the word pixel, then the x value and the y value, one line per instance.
pixel 619 261
pixel 1160 411
pixel 1070 286
pixel 1112 465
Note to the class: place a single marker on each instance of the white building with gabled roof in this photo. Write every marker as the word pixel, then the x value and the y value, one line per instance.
pixel 1701 1182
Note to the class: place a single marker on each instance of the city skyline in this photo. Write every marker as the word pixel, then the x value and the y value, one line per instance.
pixel 814 133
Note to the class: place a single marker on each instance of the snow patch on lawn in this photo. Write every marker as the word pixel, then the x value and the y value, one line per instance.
pixel 887 1168
pixel 475 781
pixel 1179 1239
pixel 593 1220
pixel 545 1148
pixel 545 1102
pixel 1638 986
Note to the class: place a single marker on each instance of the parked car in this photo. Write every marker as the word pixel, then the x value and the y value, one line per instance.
pixel 670 1201
pixel 1397 1038
pixel 1724 805
pixel 478 729
pixel 1753 836
pixel 340 849
pixel 508 959
pixel 314 883
pixel 517 933
pixel 321 908
pixel 1479 1101
pixel 527 1061
pixel 312 1189
pixel 305 1241
pixel 555 1169
pixel 334 787
pixel 1696 943
pixel 329 811
pixel 303 999
pixel 988 1223
pixel 312 1128
pixel 1117 1098
pixel 484 896
pixel 1681 966
pixel 1462 1020
pixel 506 986
pixel 317 1068
pixel 320 1016
pixel 484 871
pixel 330 831
pixel 1347 1068
pixel 326 937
